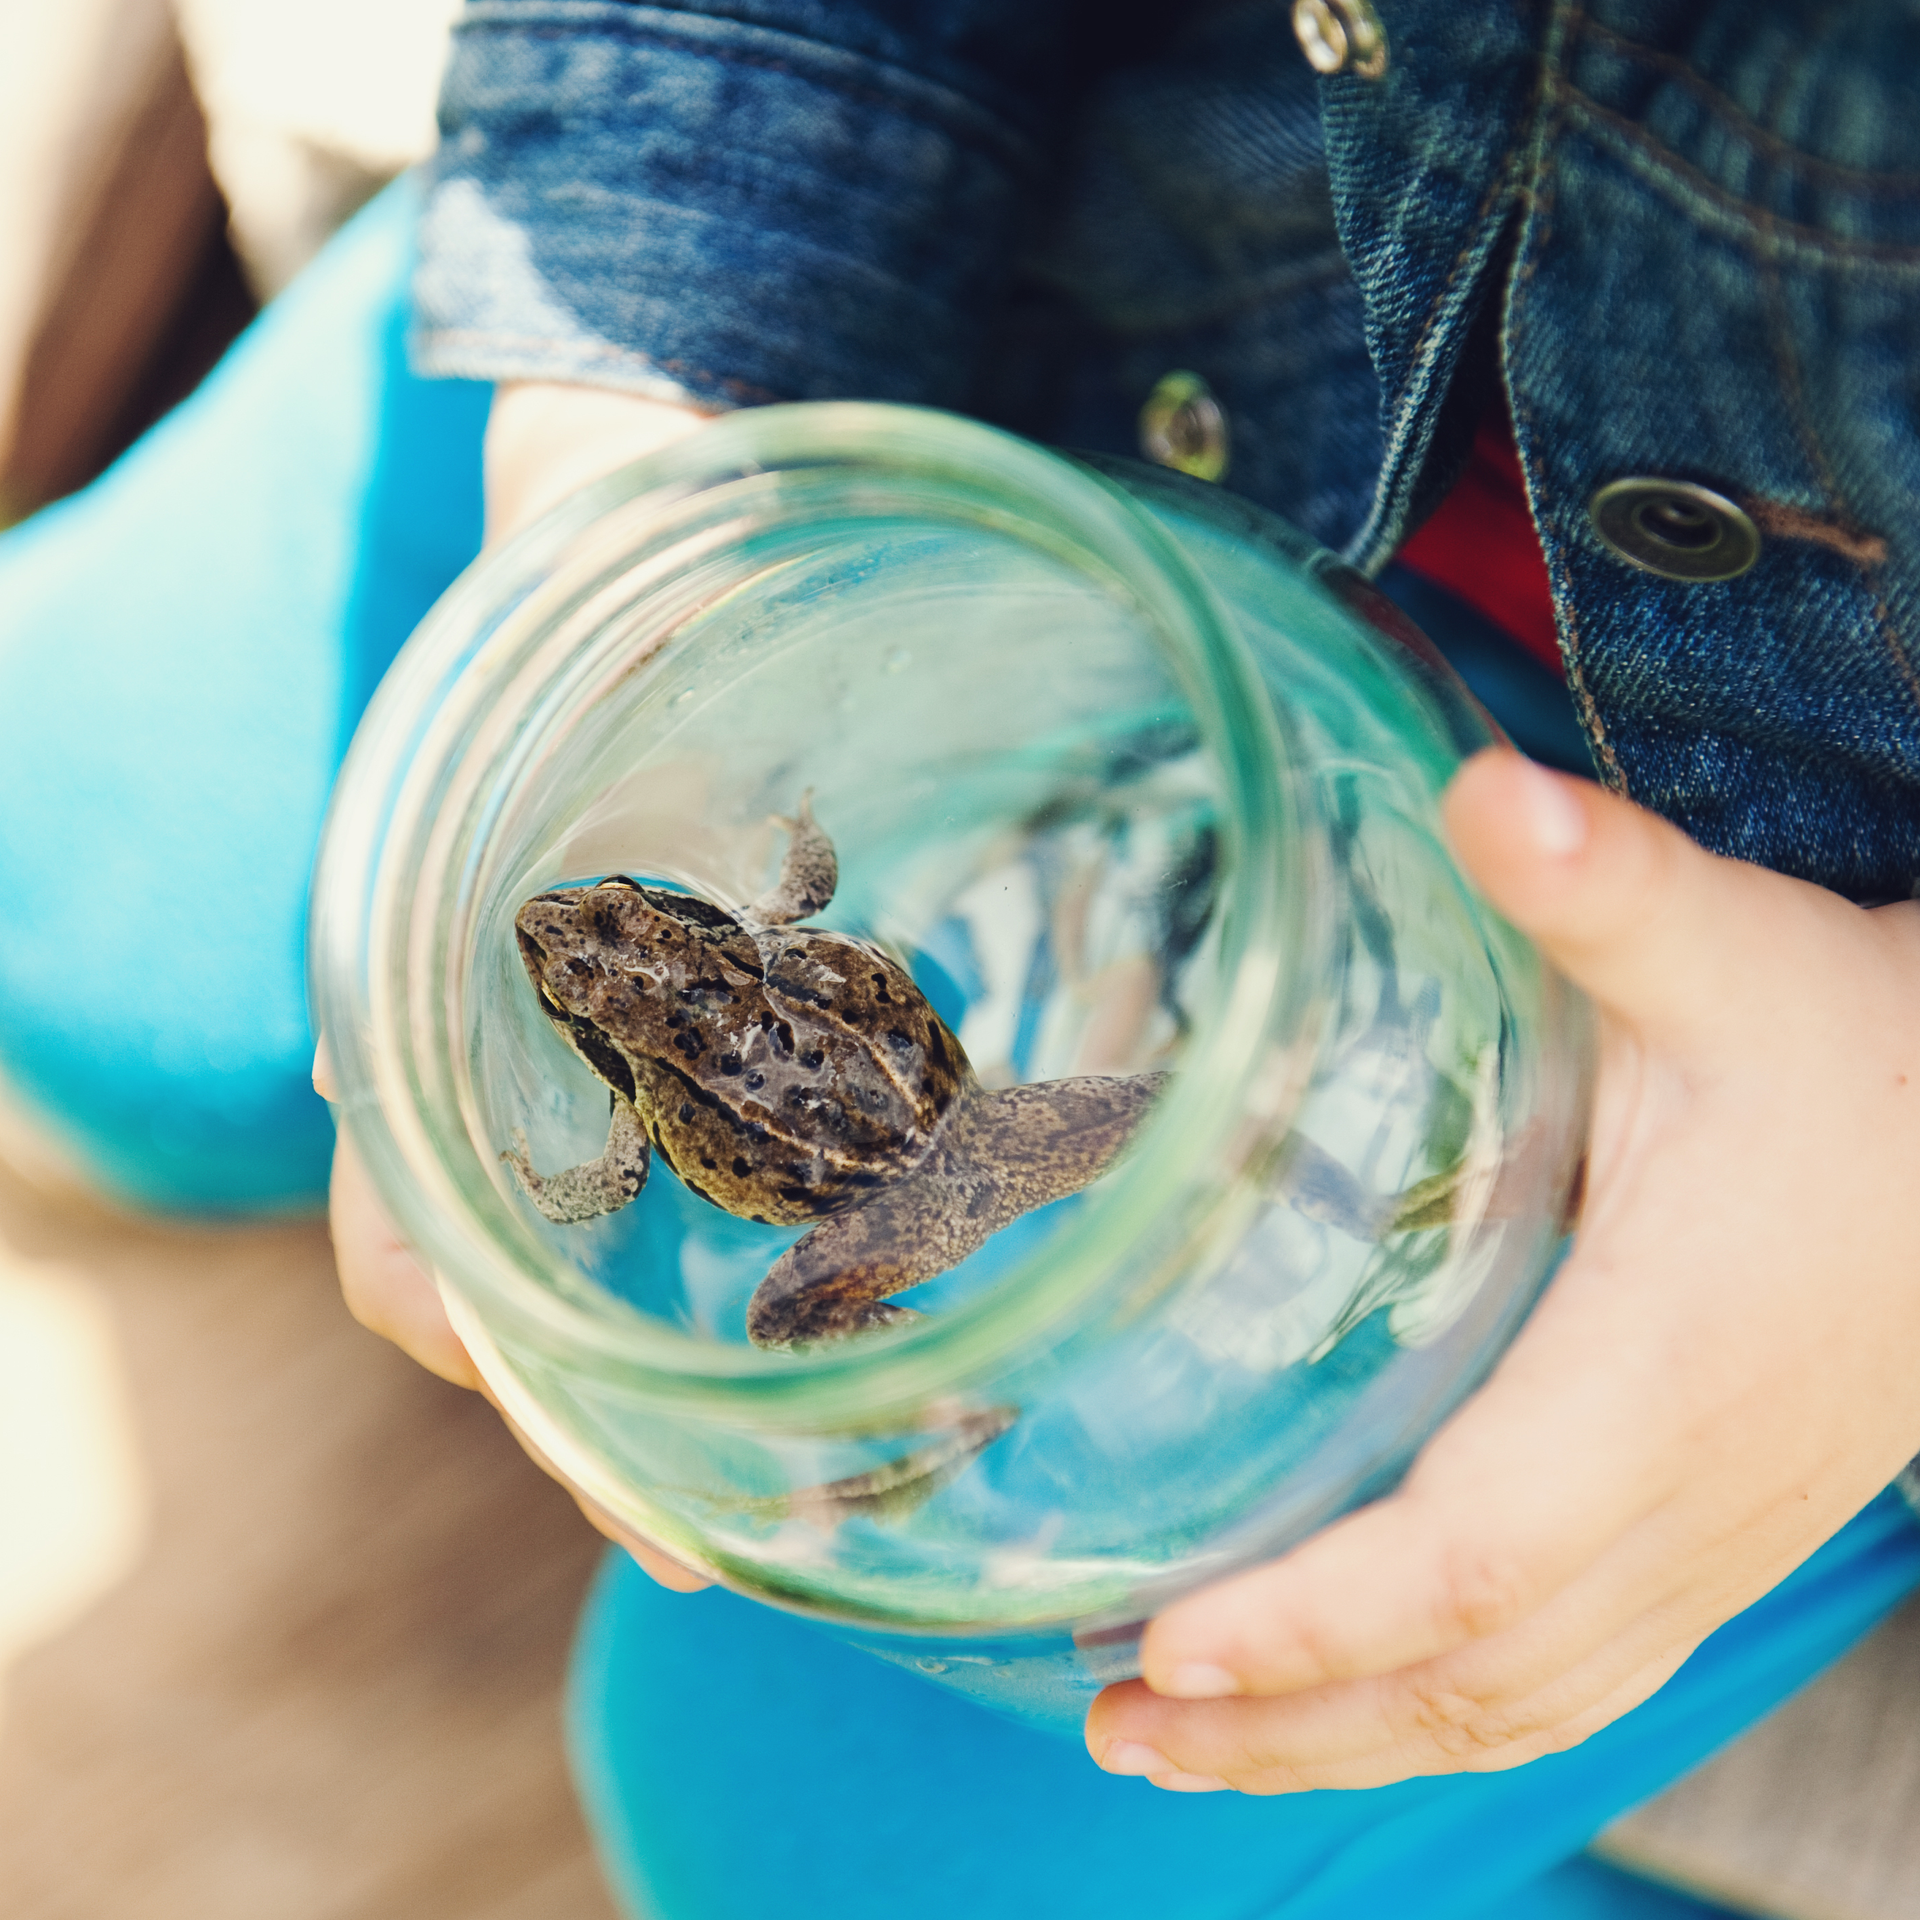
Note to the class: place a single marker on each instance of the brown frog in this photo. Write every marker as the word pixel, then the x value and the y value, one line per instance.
pixel 791 1075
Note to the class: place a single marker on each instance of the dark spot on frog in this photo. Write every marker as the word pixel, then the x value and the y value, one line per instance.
pixel 689 1043
pixel 712 1165
pixel 814 1058
pixel 729 1063
pixel 937 1046
pixel 755 1081
pixel 896 1038
pixel 742 1166
pixel 690 910
pixel 686 1111
pixel 795 991
pixel 676 1019
pixel 880 992
pixel 601 1054
pixel 784 1035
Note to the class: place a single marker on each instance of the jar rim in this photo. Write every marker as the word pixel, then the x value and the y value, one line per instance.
pixel 382 887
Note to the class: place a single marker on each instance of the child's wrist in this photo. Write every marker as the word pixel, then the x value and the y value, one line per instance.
pixel 545 441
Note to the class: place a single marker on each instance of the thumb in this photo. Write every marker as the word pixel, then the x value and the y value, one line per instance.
pixel 1655 928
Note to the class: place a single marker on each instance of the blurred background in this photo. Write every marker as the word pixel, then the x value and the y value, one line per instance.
pixel 165 166
pixel 283 1619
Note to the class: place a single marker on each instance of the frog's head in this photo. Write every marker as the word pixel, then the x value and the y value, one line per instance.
pixel 573 937
pixel 612 961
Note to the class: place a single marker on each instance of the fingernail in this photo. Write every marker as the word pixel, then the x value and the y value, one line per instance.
pixel 1190 1783
pixel 1133 1756
pixel 1196 1680
pixel 1556 821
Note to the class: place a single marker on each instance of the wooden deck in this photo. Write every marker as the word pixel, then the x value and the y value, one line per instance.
pixel 329 1690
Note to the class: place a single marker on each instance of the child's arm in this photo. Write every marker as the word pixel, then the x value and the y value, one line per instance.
pixel 1726 1369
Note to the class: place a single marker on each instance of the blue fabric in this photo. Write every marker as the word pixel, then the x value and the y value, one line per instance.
pixel 185 648
pixel 1531 704
pixel 1683 236
pixel 736 1762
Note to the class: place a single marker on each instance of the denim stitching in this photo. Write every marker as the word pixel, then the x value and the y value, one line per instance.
pixel 1793 394
pixel 1696 195
pixel 1736 119
pixel 1425 348
pixel 1542 188
pixel 1778 521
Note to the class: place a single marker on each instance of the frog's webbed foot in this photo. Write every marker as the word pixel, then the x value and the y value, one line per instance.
pixel 598 1186
pixel 808 874
pixel 1003 1155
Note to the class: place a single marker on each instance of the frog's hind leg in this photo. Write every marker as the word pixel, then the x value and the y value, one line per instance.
pixel 836 1280
pixel 595 1187
pixel 1003 1155
pixel 1050 1139
pixel 808 874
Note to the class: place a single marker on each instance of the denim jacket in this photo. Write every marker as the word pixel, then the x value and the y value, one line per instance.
pixel 1685 235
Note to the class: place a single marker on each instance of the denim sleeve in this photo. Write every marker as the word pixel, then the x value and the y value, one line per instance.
pixel 769 199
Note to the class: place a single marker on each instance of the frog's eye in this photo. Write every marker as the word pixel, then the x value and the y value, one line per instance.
pixel 619 880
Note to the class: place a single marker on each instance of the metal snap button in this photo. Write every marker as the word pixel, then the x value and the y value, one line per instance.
pixel 1341 36
pixel 1674 528
pixel 1184 427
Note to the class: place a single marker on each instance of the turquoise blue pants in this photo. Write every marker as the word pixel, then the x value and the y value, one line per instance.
pixel 184 650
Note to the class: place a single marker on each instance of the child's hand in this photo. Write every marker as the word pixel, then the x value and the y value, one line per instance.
pixel 1726 1369
pixel 543 442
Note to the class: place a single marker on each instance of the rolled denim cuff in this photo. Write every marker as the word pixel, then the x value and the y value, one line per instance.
pixel 697 209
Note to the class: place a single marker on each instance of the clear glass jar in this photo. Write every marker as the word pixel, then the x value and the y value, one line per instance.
pixel 1131 778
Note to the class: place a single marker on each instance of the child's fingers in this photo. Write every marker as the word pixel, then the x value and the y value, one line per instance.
pixel 1532 1481
pixel 1651 925
pixel 386 1289
pixel 1369 1733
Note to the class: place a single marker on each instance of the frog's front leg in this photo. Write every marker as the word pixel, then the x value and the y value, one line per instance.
pixel 808 874
pixel 598 1186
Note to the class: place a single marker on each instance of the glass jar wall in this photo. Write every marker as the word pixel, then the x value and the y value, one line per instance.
pixel 1124 791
